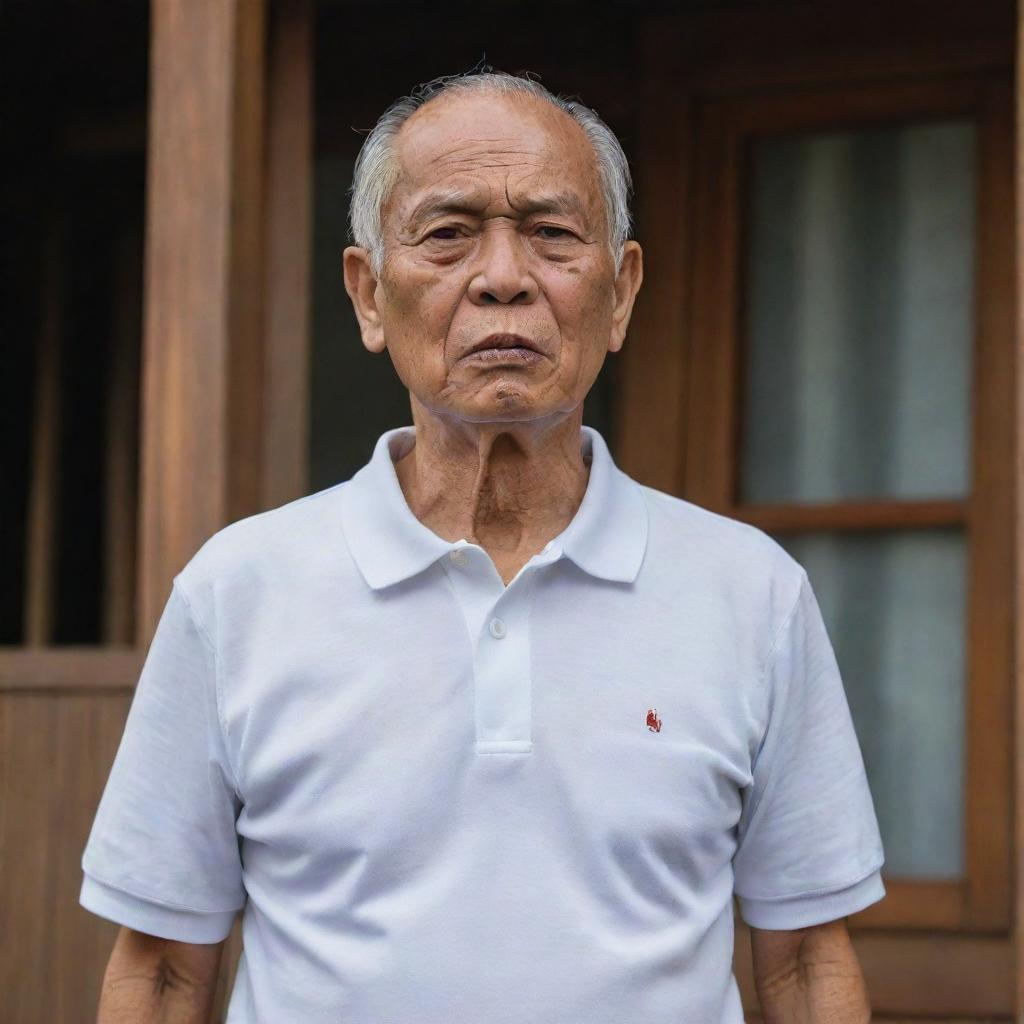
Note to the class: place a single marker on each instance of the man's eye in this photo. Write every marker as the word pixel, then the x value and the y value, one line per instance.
pixel 444 234
pixel 554 232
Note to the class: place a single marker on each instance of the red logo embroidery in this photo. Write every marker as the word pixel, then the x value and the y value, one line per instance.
pixel 653 721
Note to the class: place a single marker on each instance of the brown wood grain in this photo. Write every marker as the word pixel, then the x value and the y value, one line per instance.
pixel 121 457
pixel 767 46
pixel 652 374
pixel 989 749
pixel 202 344
pixel 44 488
pixel 752 1017
pixel 1017 606
pixel 55 754
pixel 714 324
pixel 70 667
pixel 913 903
pixel 288 253
pixel 918 973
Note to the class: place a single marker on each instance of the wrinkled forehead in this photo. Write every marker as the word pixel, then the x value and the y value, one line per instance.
pixel 496 148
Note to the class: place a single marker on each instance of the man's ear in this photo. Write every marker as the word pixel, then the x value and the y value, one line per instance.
pixel 361 285
pixel 627 284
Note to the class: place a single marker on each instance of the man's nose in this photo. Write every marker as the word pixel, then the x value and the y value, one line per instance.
pixel 503 273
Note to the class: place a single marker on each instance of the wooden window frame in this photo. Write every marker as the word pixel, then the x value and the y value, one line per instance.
pixel 981 899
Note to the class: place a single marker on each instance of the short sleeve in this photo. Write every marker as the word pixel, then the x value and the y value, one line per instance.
pixel 809 849
pixel 162 856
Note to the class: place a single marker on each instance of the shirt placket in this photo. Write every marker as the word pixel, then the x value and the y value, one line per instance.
pixel 498 621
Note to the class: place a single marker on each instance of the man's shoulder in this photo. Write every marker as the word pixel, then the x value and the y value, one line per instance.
pixel 720 550
pixel 276 545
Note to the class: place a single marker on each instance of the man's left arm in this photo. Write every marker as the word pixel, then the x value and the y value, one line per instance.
pixel 809 976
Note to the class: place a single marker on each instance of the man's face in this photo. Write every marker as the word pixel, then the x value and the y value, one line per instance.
pixel 495 233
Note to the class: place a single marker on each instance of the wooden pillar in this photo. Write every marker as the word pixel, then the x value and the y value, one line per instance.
pixel 289 246
pixel 202 386
pixel 1018 749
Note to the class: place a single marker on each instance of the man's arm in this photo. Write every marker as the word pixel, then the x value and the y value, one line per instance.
pixel 809 976
pixel 150 980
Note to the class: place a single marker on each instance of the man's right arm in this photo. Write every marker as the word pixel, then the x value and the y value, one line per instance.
pixel 150 980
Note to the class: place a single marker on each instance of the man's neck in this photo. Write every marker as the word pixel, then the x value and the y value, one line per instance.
pixel 509 487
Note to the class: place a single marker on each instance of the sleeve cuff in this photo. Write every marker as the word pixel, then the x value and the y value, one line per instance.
pixel 157 919
pixel 786 913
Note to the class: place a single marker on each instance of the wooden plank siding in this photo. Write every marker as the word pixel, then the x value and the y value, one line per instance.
pixel 56 750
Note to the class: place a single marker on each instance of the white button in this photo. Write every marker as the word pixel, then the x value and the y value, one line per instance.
pixel 459 556
pixel 497 628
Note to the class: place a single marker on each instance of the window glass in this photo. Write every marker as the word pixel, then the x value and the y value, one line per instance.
pixel 894 606
pixel 859 308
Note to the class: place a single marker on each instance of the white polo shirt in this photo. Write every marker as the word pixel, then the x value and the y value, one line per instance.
pixel 441 800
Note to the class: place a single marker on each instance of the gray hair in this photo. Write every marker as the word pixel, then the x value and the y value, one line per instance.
pixel 376 168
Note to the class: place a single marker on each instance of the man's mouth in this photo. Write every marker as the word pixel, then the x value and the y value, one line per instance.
pixel 505 348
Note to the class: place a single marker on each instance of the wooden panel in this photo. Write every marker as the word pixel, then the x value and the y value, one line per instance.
pixel 289 247
pixel 649 408
pixel 915 904
pixel 714 325
pixel 768 45
pixel 55 755
pixel 70 667
pixel 245 228
pixel 918 974
pixel 938 975
pixel 753 1018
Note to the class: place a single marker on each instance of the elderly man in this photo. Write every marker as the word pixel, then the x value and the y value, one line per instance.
pixel 489 733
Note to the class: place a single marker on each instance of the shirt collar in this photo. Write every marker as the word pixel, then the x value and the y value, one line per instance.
pixel 606 538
